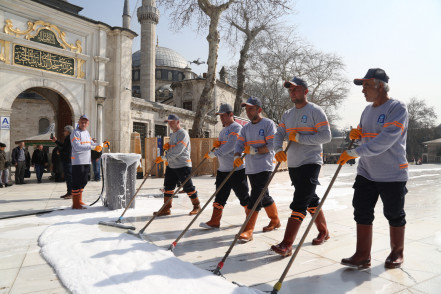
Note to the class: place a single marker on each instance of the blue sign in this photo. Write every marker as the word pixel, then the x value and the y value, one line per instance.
pixel 5 123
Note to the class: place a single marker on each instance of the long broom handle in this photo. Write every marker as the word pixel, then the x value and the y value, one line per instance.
pixel 173 245
pixel 139 188
pixel 176 192
pixel 278 285
pixel 221 263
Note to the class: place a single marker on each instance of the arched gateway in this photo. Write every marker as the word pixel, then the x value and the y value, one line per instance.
pixel 35 109
pixel 53 70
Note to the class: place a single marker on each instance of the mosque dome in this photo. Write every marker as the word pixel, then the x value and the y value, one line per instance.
pixel 164 57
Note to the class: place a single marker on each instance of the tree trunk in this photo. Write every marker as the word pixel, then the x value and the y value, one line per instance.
pixel 205 101
pixel 241 74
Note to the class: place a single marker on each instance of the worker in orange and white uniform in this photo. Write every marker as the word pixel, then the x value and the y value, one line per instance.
pixel 82 143
pixel 307 127
pixel 382 169
pixel 256 141
pixel 225 155
pixel 179 166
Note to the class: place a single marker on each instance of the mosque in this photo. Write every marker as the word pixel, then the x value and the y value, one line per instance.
pixel 56 65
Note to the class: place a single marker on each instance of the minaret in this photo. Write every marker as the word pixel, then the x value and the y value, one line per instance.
pixel 126 15
pixel 148 17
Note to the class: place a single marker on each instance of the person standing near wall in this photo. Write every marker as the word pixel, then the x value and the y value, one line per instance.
pixel 66 153
pixel 96 164
pixel 4 167
pixel 21 160
pixel 39 161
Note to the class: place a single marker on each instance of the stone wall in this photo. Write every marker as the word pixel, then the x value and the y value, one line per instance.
pixel 25 116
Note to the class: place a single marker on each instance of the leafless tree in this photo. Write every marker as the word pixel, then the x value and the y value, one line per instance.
pixel 202 12
pixel 421 127
pixel 277 58
pixel 243 22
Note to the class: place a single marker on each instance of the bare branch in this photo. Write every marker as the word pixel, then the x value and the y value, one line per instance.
pixel 279 58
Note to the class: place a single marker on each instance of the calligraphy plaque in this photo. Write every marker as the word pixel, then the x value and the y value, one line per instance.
pixel 42 60
pixel 47 37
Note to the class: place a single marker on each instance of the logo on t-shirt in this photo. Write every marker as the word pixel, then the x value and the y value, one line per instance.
pixel 381 119
pixel 261 132
pixel 304 119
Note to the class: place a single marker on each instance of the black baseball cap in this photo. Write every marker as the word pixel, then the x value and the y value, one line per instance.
pixel 373 73
pixel 252 101
pixel 172 117
pixel 296 82
pixel 224 108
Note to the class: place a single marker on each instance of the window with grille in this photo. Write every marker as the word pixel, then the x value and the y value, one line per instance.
pixel 43 125
pixel 135 74
pixel 141 128
pixel 188 105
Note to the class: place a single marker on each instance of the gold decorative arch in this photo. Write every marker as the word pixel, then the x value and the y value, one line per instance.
pixel 35 27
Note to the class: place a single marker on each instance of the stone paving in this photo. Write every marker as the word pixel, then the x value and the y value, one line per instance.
pixel 316 269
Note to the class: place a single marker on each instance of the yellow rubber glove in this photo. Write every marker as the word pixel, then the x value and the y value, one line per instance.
pixel 238 161
pixel 281 156
pixel 166 146
pixel 216 144
pixel 345 156
pixel 106 144
pixel 294 136
pixel 355 134
pixel 98 148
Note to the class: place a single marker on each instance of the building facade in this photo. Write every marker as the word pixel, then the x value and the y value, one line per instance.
pixel 75 65
pixel 432 152
pixel 56 65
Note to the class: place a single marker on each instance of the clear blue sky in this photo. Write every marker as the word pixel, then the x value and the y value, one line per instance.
pixel 401 36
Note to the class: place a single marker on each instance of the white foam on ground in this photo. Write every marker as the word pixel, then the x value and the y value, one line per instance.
pixel 91 259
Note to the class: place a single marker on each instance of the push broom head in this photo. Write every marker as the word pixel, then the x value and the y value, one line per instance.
pixel 117 225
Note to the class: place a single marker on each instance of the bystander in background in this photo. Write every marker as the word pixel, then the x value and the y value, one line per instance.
pixel 96 163
pixel 22 161
pixel 39 161
pixel 4 167
pixel 57 166
pixel 66 154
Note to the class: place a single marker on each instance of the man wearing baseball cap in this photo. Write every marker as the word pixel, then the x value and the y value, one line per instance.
pixel 307 127
pixel 81 145
pixel 178 164
pixel 225 155
pixel 382 169
pixel 256 141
